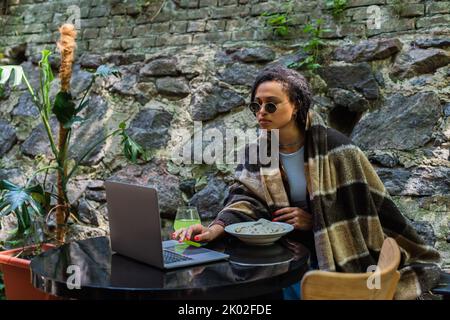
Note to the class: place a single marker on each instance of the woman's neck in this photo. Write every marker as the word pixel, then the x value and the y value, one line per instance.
pixel 291 138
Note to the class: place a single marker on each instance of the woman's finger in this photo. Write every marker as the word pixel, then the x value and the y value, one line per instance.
pixel 283 210
pixel 301 224
pixel 193 230
pixel 292 221
pixel 182 235
pixel 176 233
pixel 189 232
pixel 286 216
pixel 203 236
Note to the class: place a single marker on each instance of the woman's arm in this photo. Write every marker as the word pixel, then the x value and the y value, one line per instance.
pixel 239 206
pixel 199 233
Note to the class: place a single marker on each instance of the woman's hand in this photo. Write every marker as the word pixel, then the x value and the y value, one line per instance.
pixel 297 217
pixel 198 233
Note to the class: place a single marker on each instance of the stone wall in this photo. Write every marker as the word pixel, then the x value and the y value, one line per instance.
pixel 149 25
pixel 384 85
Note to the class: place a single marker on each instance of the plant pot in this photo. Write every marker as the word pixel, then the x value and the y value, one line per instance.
pixel 17 276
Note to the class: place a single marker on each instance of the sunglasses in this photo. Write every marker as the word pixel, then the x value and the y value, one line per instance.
pixel 255 107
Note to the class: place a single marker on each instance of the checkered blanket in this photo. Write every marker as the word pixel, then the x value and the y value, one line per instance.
pixel 352 210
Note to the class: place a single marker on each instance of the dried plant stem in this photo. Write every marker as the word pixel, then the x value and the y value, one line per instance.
pixel 66 45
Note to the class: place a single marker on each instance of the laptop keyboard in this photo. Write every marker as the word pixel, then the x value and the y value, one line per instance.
pixel 171 257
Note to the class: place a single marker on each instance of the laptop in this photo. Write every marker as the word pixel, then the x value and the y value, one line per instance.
pixel 135 230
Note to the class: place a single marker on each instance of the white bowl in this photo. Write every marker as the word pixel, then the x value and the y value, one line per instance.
pixel 258 239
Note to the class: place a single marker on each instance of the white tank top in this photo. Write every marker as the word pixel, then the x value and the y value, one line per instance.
pixel 293 164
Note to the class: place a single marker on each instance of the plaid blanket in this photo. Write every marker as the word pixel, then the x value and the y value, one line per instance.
pixel 352 210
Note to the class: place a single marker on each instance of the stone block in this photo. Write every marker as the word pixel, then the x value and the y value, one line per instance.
pixel 196 26
pixel 216 25
pixel 215 37
pixel 175 40
pixel 433 21
pixel 147 42
pixel 90 33
pixel 438 7
pixel 178 26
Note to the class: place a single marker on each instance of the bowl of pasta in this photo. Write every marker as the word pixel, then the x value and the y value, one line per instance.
pixel 262 232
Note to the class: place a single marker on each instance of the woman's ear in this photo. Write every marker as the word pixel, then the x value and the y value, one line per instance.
pixel 295 112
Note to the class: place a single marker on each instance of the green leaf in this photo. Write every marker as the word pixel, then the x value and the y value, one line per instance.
pixel 277 20
pixel 313 66
pixel 131 149
pixel 36 207
pixel 313 42
pixel 200 183
pixel 298 64
pixel 19 200
pixel 14 243
pixel 6 71
pixel 23 219
pixel 3 205
pixel 7 185
pixel 16 198
pixel 308 28
pixel 64 107
pixel 46 67
pixel 282 30
pixel 122 125
pixel 309 59
pixel 105 71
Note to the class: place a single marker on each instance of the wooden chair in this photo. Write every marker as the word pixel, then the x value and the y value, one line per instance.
pixel 324 285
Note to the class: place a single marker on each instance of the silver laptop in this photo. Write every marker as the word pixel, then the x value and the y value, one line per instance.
pixel 135 229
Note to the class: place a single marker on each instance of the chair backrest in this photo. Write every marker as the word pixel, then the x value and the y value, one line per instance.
pixel 379 285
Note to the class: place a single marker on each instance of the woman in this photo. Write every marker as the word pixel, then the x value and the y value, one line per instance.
pixel 325 187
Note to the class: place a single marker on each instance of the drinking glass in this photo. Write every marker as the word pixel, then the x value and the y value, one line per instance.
pixel 186 216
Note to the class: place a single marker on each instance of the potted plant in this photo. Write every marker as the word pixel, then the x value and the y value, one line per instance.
pixel 16 273
pixel 33 204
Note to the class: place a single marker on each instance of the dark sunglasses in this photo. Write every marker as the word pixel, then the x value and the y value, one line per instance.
pixel 255 107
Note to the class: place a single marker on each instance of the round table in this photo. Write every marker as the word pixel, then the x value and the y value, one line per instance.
pixel 88 269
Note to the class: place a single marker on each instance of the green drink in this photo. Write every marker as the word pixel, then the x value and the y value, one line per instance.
pixel 184 223
pixel 186 216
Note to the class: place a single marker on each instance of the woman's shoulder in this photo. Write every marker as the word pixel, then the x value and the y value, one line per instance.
pixel 336 139
pixel 349 151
